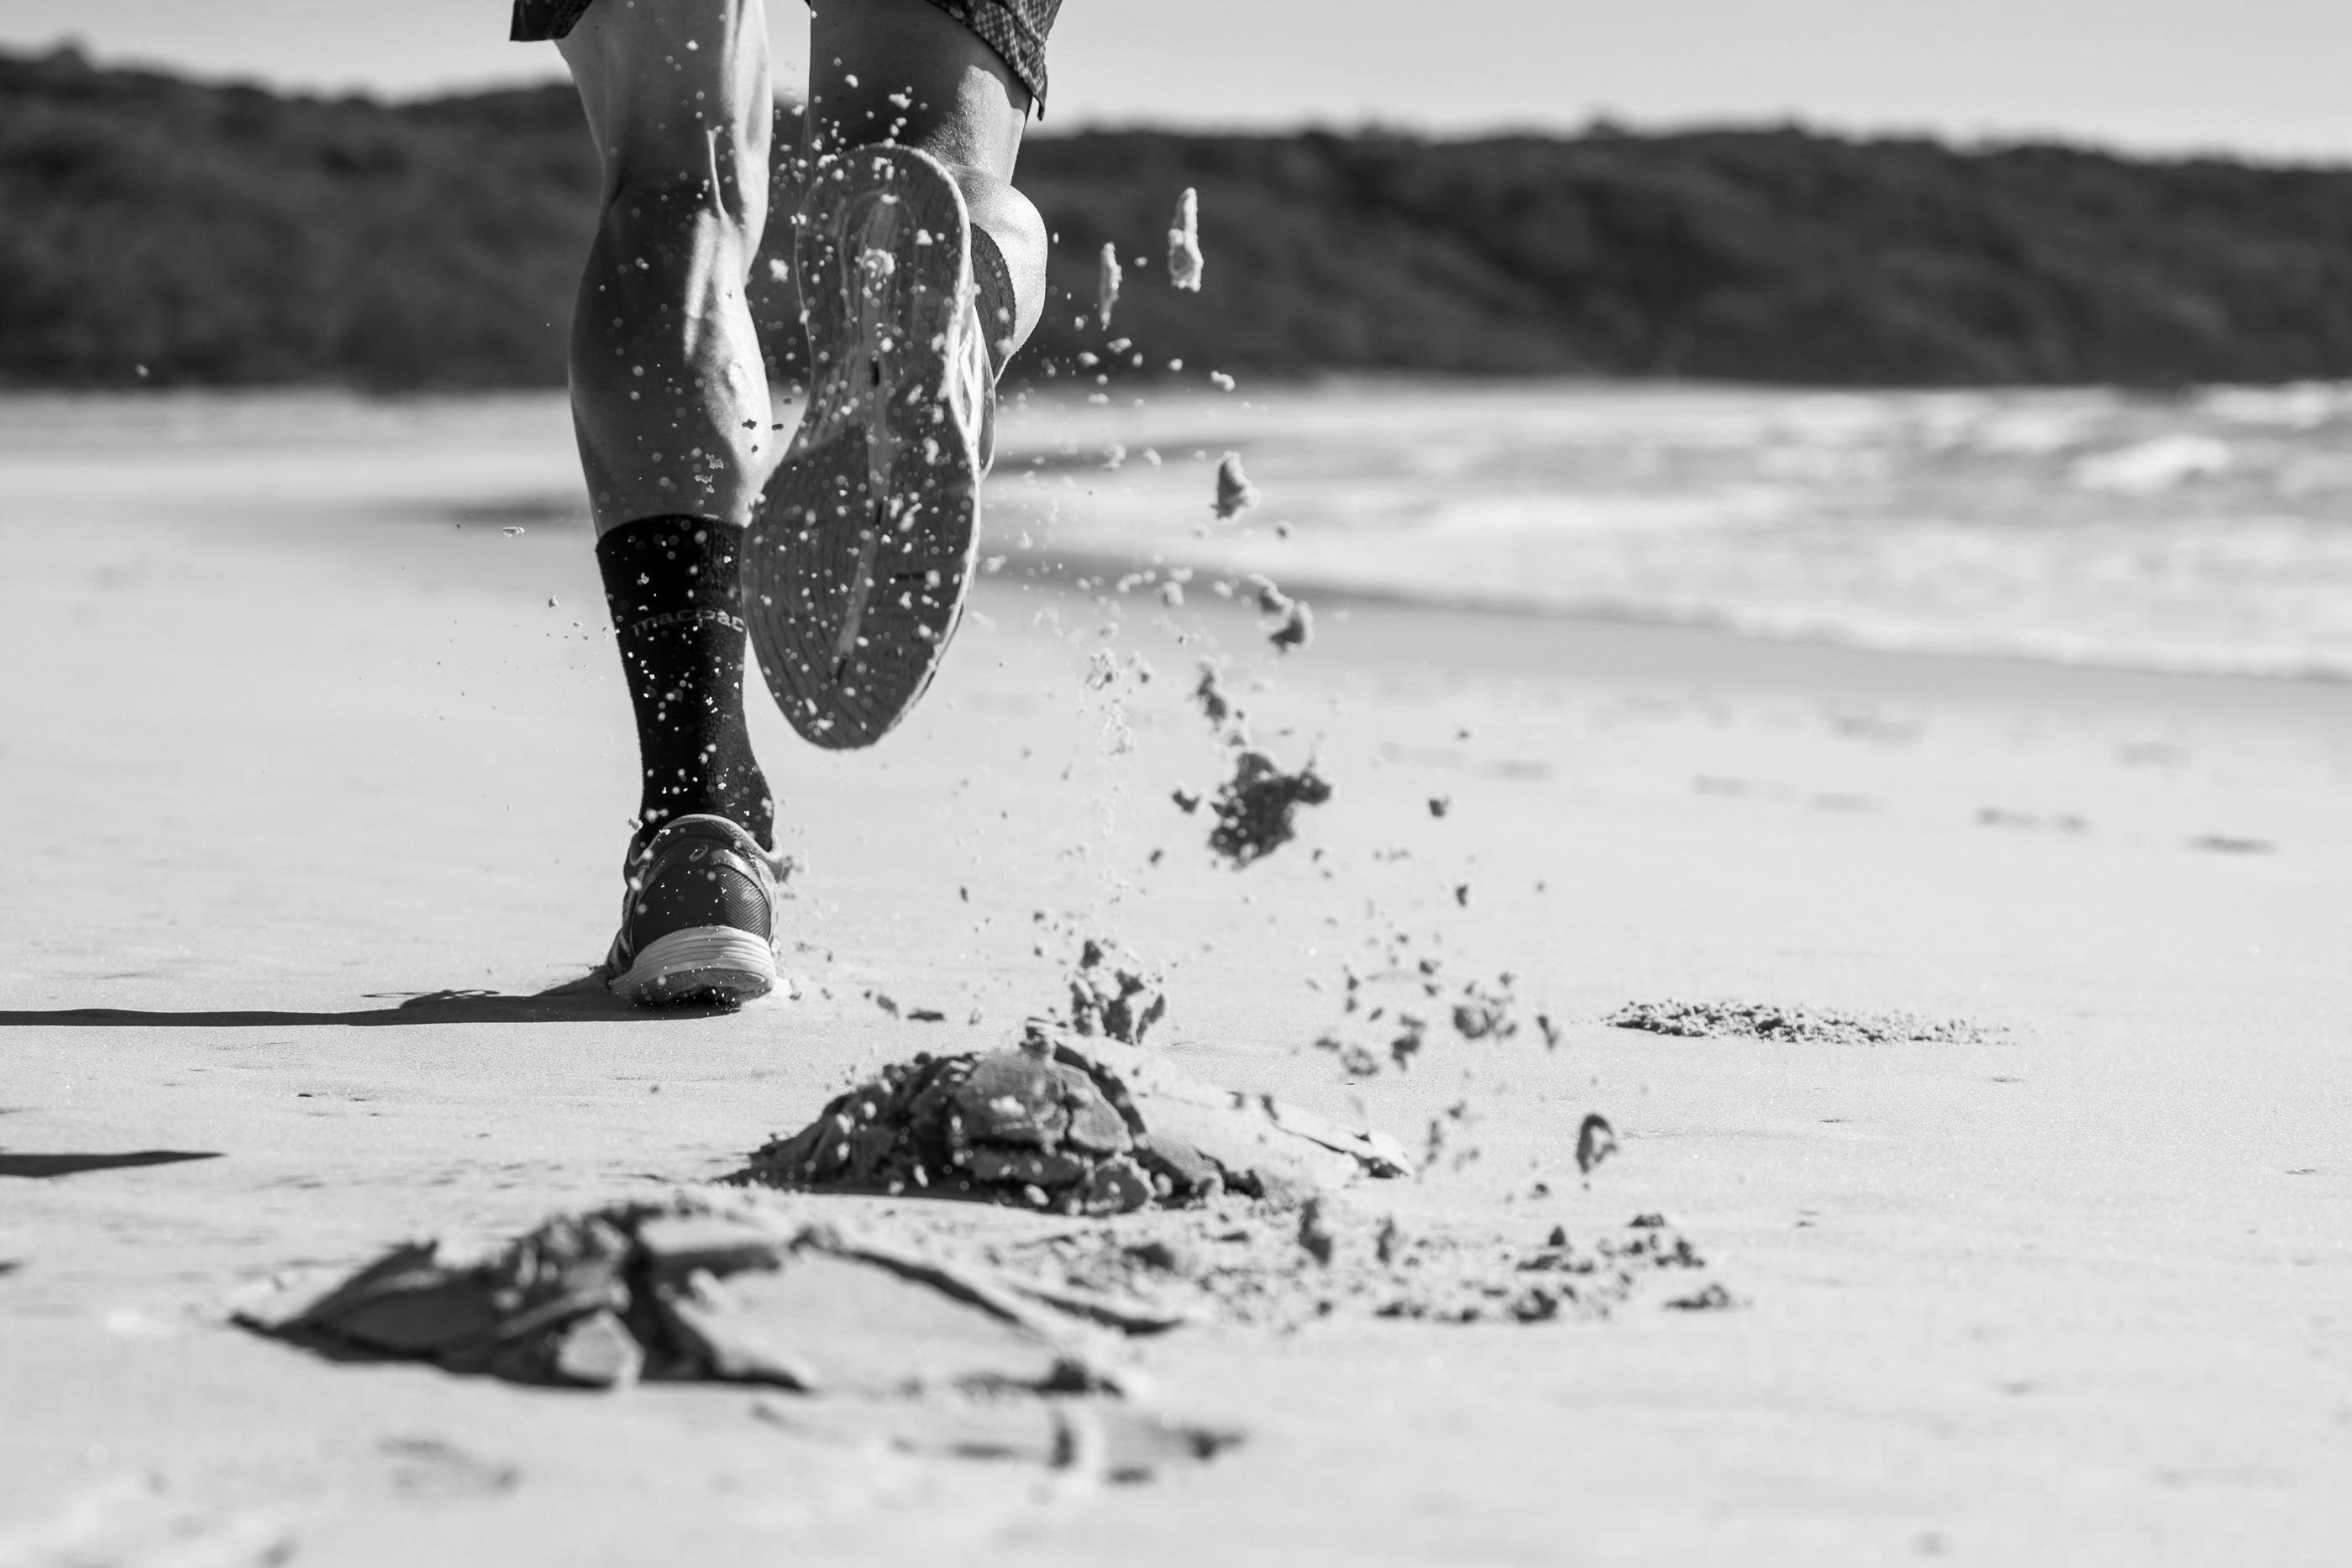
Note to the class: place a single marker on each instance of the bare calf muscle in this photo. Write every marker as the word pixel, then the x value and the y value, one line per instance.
pixel 668 389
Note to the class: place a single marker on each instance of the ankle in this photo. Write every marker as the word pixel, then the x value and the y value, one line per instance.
pixel 674 587
pixel 757 818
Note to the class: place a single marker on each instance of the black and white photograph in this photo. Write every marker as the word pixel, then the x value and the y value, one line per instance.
pixel 1056 782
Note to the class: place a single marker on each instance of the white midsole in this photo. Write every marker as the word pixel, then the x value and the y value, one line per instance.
pixel 716 958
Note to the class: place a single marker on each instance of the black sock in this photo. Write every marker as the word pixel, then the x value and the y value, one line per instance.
pixel 678 613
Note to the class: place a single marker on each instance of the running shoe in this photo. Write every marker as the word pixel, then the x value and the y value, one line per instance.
pixel 698 923
pixel 859 558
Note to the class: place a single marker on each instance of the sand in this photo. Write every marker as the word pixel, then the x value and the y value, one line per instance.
pixel 286 747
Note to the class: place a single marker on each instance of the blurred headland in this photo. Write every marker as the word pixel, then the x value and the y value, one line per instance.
pixel 159 231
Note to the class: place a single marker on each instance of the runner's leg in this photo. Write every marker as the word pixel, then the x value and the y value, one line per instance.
pixel 669 394
pixel 921 270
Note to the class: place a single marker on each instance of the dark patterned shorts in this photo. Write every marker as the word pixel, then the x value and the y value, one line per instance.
pixel 1015 29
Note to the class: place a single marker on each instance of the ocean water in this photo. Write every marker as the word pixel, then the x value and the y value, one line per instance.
pixel 2210 530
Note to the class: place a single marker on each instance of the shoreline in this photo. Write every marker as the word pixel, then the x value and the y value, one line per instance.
pixel 1073 566
pixel 508 463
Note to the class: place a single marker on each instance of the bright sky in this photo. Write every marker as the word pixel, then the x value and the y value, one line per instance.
pixel 2263 77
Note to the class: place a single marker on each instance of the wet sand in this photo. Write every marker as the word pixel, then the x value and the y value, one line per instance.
pixel 285 747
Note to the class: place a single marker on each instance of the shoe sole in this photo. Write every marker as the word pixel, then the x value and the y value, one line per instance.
pixel 712 963
pixel 860 556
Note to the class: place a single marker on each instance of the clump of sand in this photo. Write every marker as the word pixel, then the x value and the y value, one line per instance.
pixel 1255 810
pixel 1759 1020
pixel 1256 806
pixel 1115 993
pixel 1003 1126
pixel 1335 1260
pixel 700 1288
pixel 1068 1125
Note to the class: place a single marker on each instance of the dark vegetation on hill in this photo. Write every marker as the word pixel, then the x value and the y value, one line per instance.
pixel 228 235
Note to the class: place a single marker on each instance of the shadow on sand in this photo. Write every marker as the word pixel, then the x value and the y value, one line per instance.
pixel 42 1167
pixel 583 1000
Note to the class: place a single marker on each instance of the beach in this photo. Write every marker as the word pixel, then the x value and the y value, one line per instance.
pixel 315 715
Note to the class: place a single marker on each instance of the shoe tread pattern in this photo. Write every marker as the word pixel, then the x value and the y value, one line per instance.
pixel 860 556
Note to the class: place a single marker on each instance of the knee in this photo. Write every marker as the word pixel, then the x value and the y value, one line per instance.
pixel 690 169
pixel 680 111
pixel 1009 216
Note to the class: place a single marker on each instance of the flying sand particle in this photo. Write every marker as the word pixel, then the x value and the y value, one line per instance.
pixel 1107 280
pixel 1217 704
pixel 1595 1142
pixel 1297 628
pixel 1297 625
pixel 1235 494
pixel 1184 243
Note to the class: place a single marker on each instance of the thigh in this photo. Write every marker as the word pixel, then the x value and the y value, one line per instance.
pixel 913 71
pixel 1015 29
pixel 676 88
